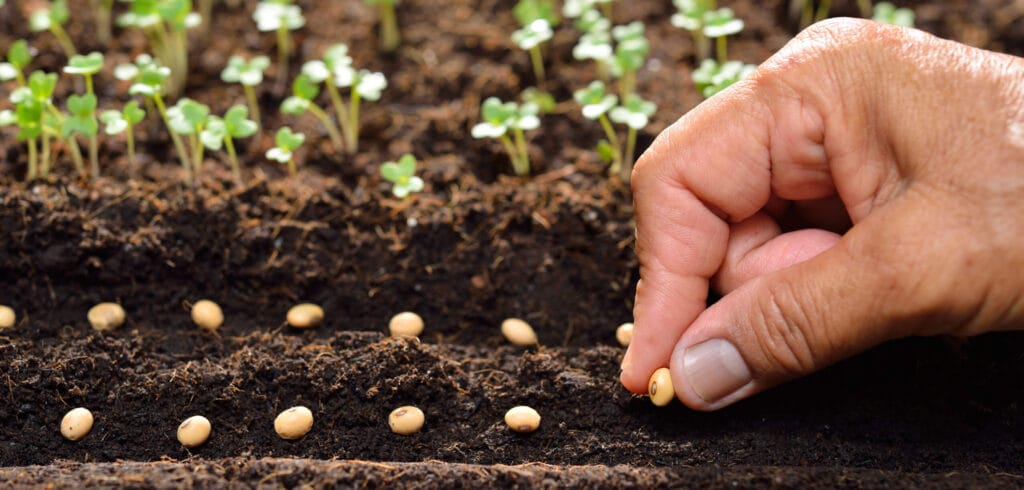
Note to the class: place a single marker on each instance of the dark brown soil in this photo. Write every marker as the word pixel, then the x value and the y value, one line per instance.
pixel 477 247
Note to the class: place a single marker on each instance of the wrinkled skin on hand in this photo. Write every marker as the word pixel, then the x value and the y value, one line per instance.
pixel 865 184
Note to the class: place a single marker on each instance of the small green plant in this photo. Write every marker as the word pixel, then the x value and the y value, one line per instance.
pixel 189 118
pixel 537 18
pixel 575 8
pixel 500 119
pixel 635 113
pixel 147 79
pixel 223 133
pixel 389 37
pixel 631 51
pixel 403 175
pixel 286 143
pixel 599 105
pixel 51 17
pixel 596 42
pixel 103 10
pixel 712 77
pixel 810 14
pixel 719 24
pixel 335 71
pixel 39 121
pixel 166 24
pixel 281 17
pixel 887 13
pixel 690 16
pixel 865 8
pixel 250 75
pixel 18 58
pixel 83 120
pixel 124 121
pixel 303 99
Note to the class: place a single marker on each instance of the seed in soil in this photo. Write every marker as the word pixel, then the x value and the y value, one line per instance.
pixel 106 316
pixel 306 315
pixel 660 387
pixel 518 332
pixel 406 420
pixel 76 423
pixel 522 419
pixel 207 315
pixel 294 422
pixel 406 324
pixel 194 431
pixel 624 334
pixel 7 317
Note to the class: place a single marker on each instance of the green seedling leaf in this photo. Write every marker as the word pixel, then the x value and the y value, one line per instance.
pixel 533 34
pixel 295 105
pixel 528 11
pixel 237 123
pixel 690 14
pixel 89 64
pixel 545 101
pixel 245 72
pixel 526 117
pixel 82 120
pixel 304 87
pixel 56 13
pixel 594 45
pixel 721 22
pixel 41 85
pixel 337 56
pixel 370 85
pixel 270 16
pixel 19 55
pixel 402 175
pixel 595 100
pixel 7 118
pixel 606 152
pixel 316 71
pixel 887 13
pixel 113 122
pixel 19 95
pixel 633 30
pixel 133 113
pixel 214 133
pixel 592 21
pixel 635 112
pixel 289 140
pixel 497 117
pixel 8 72
pixel 187 116
pixel 29 114
pixel 711 78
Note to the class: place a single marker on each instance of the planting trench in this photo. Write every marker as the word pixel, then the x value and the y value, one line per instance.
pixel 473 250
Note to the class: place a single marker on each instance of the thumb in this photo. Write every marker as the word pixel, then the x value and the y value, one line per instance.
pixel 788 323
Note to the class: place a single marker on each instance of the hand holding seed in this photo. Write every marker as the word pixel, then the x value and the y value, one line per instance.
pixel 865 184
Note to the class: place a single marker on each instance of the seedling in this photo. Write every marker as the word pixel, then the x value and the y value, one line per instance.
pixel 124 121
pixel 294 423
pixel 223 132
pixel 207 315
pixel 712 77
pixel 18 58
pixel 304 93
pixel 522 419
pixel 83 114
pixel 335 71
pixel 51 17
pixel 406 420
pixel 718 24
pixel 501 118
pixel 660 388
pixel 148 78
pixel 635 113
pixel 595 43
pixel 690 16
pixel 403 175
pixel 389 37
pixel 537 18
pixel 631 50
pixel 38 120
pixel 809 14
pixel 518 332
pixel 250 75
pixel 287 142
pixel 103 9
pixel 166 24
pixel 76 424
pixel 887 13
pixel 194 431
pixel 576 8
pixel 282 17
pixel 188 118
pixel 596 104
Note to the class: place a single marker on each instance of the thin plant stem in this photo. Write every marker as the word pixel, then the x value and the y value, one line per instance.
pixel 513 155
pixel 33 158
pixel 178 145
pixel 389 36
pixel 602 71
pixel 808 13
pixel 613 139
pixel 20 77
pixel 44 160
pixel 353 123
pixel 701 45
pixel 103 13
pixel 254 105
pixel 537 59
pixel 722 49
pixel 823 9
pixel 229 144
pixel 627 84
pixel 292 169
pixel 627 167
pixel 76 155
pixel 332 131
pixel 94 159
pixel 63 39
pixel 131 144
pixel 865 8
pixel 206 10
pixel 284 50
pixel 606 9
pixel 524 155
pixel 88 84
pixel 339 108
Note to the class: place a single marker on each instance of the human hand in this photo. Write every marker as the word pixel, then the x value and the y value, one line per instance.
pixel 896 159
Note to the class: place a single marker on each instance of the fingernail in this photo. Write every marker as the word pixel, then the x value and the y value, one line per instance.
pixel 715 369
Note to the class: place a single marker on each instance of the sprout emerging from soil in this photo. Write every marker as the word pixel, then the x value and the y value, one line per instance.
pixel 500 118
pixel 18 58
pixel 389 37
pixel 223 132
pixel 403 175
pixel 690 16
pixel 302 100
pixel 603 107
pixel 522 419
pixel 712 77
pixel 38 121
pixel 518 332
pixel 284 152
pixel 624 334
pixel 305 315
pixel 189 118
pixel 51 17
pixel 207 315
pixel 250 75
pixel 660 388
pixel 124 121
pixel 194 431
pixel 165 24
pixel 887 13
pixel 537 18
pixel 406 324
pixel 147 79
pixel 83 109
pixel 575 9
pixel 76 424
pixel 106 316
pixel 335 70
pixel 406 420
pixel 631 51
pixel 809 14
pixel 7 317
pixel 718 24
pixel 103 9
pixel 635 113
pixel 294 423
pixel 282 17
pixel 595 43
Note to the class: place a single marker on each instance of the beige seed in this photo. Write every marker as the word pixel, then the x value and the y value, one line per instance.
pixel 518 332
pixel 194 431
pixel 7 317
pixel 76 423
pixel 660 387
pixel 624 334
pixel 406 420
pixel 406 324
pixel 522 419
pixel 294 422
pixel 306 315
pixel 106 316
pixel 207 315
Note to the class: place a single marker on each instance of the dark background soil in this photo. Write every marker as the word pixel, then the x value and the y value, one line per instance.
pixel 475 248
